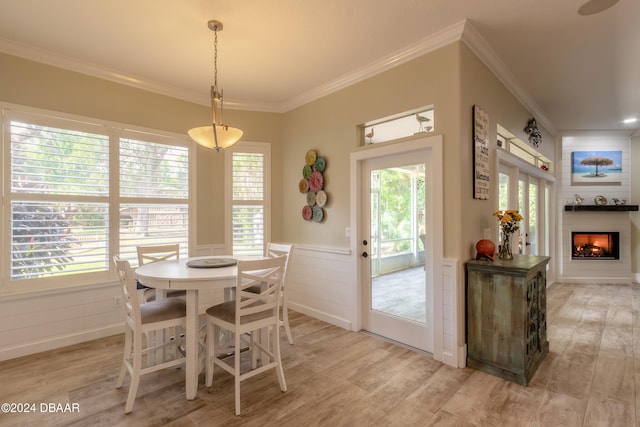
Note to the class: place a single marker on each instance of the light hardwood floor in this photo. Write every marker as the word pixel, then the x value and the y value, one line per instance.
pixel 339 378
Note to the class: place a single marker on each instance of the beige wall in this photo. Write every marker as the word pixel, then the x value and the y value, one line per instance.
pixel 480 87
pixel 37 85
pixel 330 125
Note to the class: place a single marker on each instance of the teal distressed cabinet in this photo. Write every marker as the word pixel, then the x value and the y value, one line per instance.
pixel 506 316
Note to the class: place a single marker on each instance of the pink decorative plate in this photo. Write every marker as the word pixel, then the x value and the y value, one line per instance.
pixel 307 212
pixel 316 181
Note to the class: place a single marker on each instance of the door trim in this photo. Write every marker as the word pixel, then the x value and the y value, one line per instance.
pixel 434 144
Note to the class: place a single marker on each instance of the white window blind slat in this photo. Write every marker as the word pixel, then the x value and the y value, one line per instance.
pixel 248 185
pixel 61 209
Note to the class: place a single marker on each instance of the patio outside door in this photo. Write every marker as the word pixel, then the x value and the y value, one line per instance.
pixel 397 296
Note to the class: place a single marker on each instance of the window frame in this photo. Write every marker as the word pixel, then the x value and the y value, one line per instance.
pixel 114 132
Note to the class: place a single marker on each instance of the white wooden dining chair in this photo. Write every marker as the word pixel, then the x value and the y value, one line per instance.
pixel 273 250
pixel 278 249
pixel 248 316
pixel 141 320
pixel 155 253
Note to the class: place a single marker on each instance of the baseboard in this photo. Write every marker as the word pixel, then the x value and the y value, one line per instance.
pixel 589 280
pixel 458 360
pixel 59 341
pixel 320 315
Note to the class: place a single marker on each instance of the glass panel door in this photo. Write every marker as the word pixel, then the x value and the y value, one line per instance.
pixel 397 242
pixel 396 297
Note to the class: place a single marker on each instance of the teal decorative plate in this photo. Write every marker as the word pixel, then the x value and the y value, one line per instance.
pixel 320 164
pixel 318 214
pixel 211 262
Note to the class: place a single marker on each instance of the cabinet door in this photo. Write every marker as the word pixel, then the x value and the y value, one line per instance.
pixel 542 298
pixel 536 325
pixel 496 314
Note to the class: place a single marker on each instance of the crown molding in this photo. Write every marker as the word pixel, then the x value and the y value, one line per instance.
pixel 43 56
pixel 462 30
pixel 472 38
pixel 428 44
pixel 415 50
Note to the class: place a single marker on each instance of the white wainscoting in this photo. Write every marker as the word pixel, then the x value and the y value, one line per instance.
pixel 35 322
pixel 452 316
pixel 321 284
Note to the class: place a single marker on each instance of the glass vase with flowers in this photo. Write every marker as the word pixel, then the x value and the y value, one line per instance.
pixel 509 223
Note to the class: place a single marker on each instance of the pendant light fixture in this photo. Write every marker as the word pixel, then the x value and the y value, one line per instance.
pixel 217 135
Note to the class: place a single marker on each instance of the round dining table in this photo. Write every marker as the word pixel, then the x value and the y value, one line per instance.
pixel 210 273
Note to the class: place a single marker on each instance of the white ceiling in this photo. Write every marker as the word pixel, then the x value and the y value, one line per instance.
pixel 573 72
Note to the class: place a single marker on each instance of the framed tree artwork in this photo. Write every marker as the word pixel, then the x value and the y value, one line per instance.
pixel 596 167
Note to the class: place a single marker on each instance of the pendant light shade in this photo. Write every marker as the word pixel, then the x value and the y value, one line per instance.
pixel 217 135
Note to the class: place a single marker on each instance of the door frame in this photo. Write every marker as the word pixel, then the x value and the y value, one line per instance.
pixel 515 168
pixel 405 145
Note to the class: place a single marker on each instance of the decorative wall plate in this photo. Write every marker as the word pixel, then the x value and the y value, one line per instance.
pixel 306 171
pixel 303 185
pixel 321 198
pixel 600 200
pixel 311 198
pixel 307 212
pixel 318 214
pixel 316 181
pixel 310 157
pixel 320 164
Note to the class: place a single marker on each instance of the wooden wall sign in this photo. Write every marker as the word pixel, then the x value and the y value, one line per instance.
pixel 481 172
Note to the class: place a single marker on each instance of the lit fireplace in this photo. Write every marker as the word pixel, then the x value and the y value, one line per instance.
pixel 595 245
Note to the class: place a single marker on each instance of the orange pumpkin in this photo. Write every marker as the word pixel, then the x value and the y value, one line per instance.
pixel 485 249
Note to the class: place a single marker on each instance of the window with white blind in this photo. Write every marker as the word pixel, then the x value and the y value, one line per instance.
pixel 248 164
pixel 154 193
pixel 77 193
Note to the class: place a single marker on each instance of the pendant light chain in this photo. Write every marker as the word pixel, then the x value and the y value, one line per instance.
pixel 215 58
pixel 217 94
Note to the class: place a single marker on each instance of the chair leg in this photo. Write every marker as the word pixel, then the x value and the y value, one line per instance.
pixel 135 375
pixel 253 350
pixel 209 366
pixel 285 320
pixel 236 371
pixel 126 354
pixel 202 346
pixel 278 359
